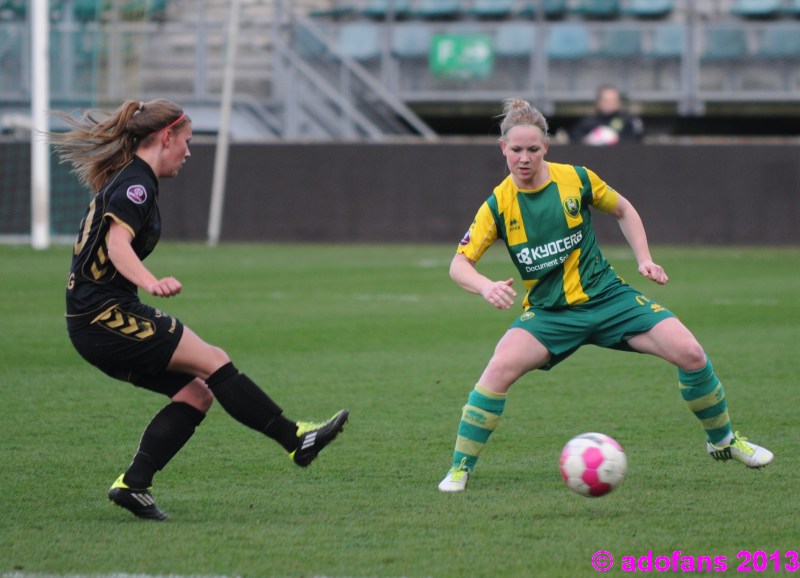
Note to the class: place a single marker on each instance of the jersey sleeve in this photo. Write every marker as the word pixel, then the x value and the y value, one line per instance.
pixel 129 206
pixel 480 236
pixel 604 197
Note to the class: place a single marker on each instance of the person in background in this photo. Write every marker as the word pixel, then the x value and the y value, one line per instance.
pixel 122 156
pixel 609 124
pixel 572 296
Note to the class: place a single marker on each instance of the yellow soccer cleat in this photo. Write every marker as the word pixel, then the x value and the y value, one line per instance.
pixel 456 478
pixel 138 502
pixel 750 454
pixel 315 436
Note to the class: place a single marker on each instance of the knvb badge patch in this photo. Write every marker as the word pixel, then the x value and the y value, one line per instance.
pixel 137 194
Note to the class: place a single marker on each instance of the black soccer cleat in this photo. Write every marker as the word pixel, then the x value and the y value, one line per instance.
pixel 315 436
pixel 138 502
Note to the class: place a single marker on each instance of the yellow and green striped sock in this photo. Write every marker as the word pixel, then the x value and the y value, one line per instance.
pixel 705 396
pixel 479 419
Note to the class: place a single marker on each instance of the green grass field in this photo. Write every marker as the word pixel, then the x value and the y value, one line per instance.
pixel 382 330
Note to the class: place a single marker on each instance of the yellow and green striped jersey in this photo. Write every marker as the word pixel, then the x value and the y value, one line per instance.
pixel 549 235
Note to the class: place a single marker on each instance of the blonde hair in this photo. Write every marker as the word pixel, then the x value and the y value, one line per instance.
pixel 517 112
pixel 100 143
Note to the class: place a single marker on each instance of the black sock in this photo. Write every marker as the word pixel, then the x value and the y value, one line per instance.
pixel 163 437
pixel 250 405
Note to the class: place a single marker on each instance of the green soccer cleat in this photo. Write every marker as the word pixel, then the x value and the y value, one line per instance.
pixel 315 436
pixel 138 502
pixel 740 449
pixel 456 478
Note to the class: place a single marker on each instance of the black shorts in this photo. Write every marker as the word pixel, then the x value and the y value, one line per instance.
pixel 131 342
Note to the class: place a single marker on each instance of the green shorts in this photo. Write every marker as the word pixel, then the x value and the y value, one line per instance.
pixel 608 321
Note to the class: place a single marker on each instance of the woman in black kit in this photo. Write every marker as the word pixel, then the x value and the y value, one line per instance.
pixel 121 156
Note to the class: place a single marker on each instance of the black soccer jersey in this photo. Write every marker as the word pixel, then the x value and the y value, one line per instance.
pixel 130 199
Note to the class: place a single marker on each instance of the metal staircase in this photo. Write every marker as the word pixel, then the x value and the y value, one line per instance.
pixel 289 74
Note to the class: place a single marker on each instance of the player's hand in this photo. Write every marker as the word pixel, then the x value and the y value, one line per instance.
pixel 166 287
pixel 653 272
pixel 500 294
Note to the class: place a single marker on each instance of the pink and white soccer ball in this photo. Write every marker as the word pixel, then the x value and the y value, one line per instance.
pixel 602 136
pixel 593 464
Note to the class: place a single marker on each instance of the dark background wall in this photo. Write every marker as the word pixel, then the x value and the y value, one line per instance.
pixel 411 192
pixel 710 194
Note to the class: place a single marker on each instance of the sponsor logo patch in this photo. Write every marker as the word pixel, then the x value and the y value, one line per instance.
pixel 137 194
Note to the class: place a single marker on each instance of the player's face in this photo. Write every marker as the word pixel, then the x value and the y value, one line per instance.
pixel 177 152
pixel 524 147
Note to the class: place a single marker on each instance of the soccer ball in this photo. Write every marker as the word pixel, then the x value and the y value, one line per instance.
pixel 602 136
pixel 593 464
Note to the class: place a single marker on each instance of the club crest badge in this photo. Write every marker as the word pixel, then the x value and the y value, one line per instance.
pixel 572 206
pixel 137 194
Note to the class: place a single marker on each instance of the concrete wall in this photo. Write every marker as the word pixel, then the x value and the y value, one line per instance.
pixel 713 194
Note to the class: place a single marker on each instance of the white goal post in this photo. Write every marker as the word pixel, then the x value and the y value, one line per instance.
pixel 40 104
pixel 223 133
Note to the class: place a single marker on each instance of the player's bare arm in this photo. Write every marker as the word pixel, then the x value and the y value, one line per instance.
pixel 633 229
pixel 499 293
pixel 131 267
